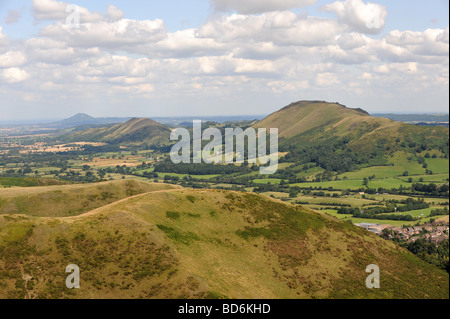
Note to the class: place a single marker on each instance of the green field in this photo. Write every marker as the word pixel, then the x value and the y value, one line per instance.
pixel 387 183
pixel 181 176
pixel 267 181
pixel 354 220
pixel 435 178
pixel 438 165
pixel 341 185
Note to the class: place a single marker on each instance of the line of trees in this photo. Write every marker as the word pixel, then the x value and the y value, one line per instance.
pixel 202 168
pixel 383 212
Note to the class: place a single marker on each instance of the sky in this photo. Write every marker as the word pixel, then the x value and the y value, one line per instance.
pixel 217 57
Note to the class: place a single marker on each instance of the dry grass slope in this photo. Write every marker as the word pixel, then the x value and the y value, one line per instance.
pixel 205 244
pixel 70 200
pixel 309 122
pixel 134 131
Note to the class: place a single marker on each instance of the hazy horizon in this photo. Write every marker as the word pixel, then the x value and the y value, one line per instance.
pixel 31 121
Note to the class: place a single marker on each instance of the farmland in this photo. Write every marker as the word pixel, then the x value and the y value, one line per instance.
pixel 345 189
pixel 200 230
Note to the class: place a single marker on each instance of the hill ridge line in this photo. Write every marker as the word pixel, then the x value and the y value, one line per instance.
pixel 95 211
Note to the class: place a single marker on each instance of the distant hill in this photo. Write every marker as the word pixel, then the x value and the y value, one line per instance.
pixel 304 116
pixel 313 122
pixel 134 131
pixel 416 118
pixel 82 119
pixel 187 120
pixel 181 243
pixel 85 119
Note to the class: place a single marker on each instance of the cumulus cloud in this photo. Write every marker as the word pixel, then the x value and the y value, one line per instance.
pixel 326 79
pixel 278 52
pixel 49 10
pixel 259 6
pixel 113 13
pixel 3 38
pixel 443 36
pixel 349 41
pixel 362 17
pixel 186 43
pixel 52 51
pixel 122 34
pixel 12 59
pixel 59 11
pixel 282 28
pixel 13 75
pixel 254 66
pixel 430 42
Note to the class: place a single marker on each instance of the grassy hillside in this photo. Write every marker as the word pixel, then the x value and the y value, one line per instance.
pixel 205 244
pixel 70 200
pixel 301 117
pixel 134 131
pixel 313 122
pixel 29 182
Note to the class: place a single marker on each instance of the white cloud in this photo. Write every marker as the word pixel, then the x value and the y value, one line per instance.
pixel 284 86
pixel 13 75
pixel 366 76
pixel 230 56
pixel 406 46
pixel 113 13
pixel 326 79
pixel 443 36
pixel 267 27
pixel 56 52
pixel 186 43
pixel 259 6
pixel 349 41
pixel 362 17
pixel 124 34
pixel 57 11
pixel 382 69
pixel 49 10
pixel 254 66
pixel 3 38
pixel 432 42
pixel 12 59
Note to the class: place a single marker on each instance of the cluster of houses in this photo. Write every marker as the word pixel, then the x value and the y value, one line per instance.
pixel 374 228
pixel 436 232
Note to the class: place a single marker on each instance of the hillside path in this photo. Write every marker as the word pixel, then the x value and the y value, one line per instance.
pixel 97 210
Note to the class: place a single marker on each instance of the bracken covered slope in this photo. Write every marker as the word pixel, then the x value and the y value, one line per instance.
pixel 181 243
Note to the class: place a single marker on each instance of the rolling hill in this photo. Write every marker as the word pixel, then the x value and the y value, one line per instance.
pixel 180 243
pixel 339 128
pixel 70 200
pixel 134 131
pixel 85 119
